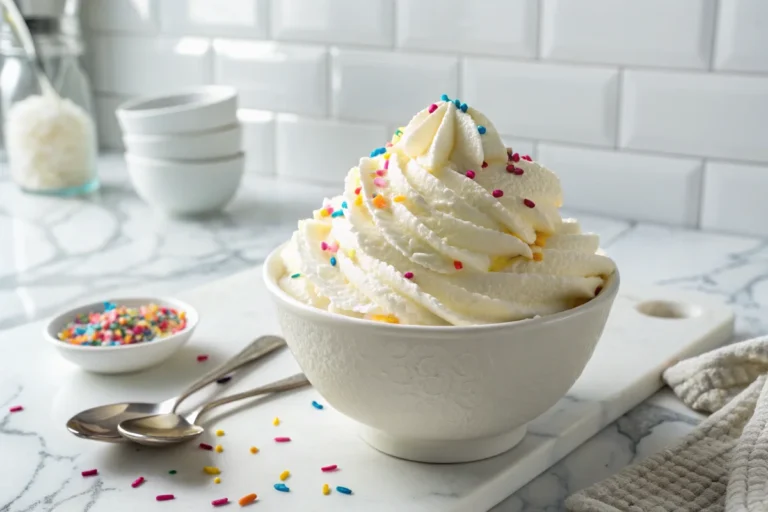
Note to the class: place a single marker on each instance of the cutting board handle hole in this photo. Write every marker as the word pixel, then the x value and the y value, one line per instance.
pixel 668 309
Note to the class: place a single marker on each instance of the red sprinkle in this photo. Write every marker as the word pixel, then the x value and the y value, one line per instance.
pixel 219 502
pixel 408 275
pixel 165 497
pixel 332 467
pixel 497 193
pixel 526 157
pixel 529 203
pixel 386 164
pixel 323 246
pixel 485 164
pixel 16 408
pixel 137 482
pixel 90 472
pixel 282 439
pixel 458 265
pixel 202 357
pixel 510 168
pixel 432 108
pixel 515 157
pixel 381 172
pixel 471 174
pixel 357 190
pixel 518 171
pixel 205 446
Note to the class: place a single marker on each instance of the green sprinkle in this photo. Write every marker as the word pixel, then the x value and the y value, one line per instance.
pixel 398 132
pixel 172 472
pixel 294 276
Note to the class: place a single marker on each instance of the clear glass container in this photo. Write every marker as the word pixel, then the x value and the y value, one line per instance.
pixel 51 157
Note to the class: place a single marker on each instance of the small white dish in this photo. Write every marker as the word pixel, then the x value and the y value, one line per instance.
pixel 192 110
pixel 121 358
pixel 182 187
pixel 216 143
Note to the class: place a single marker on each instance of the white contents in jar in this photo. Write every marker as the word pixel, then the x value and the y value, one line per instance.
pixel 50 143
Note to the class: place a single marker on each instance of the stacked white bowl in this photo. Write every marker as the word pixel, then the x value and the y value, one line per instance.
pixel 184 151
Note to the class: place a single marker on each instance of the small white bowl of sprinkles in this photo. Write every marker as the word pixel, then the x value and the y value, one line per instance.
pixel 122 335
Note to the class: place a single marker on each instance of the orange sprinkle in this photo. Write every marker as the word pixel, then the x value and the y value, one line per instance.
pixel 389 319
pixel 254 450
pixel 398 199
pixel 379 202
pixel 248 498
pixel 537 256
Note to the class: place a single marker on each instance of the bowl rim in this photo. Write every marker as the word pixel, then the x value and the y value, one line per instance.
pixel 606 295
pixel 230 129
pixel 193 319
pixel 209 95
pixel 175 163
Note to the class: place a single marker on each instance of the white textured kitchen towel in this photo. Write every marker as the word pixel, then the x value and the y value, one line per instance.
pixel 722 465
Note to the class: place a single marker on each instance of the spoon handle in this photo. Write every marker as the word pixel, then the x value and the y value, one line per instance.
pixel 20 29
pixel 292 382
pixel 255 350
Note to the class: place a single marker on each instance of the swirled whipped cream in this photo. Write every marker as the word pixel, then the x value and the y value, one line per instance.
pixel 444 226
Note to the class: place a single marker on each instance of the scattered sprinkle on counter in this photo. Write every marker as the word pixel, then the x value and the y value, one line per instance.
pixel 332 467
pixel 202 358
pixel 219 502
pixel 247 499
pixel 122 325
pixel 219 448
pixel 317 405
pixel 172 472
pixel 343 490
pixel 285 475
pixel 217 480
pixel 282 439
pixel 219 432
pixel 254 450
pixel 90 472
pixel 137 482
pixel 326 489
pixel 165 497
pixel 16 408
pixel 282 488
pixel 276 421
pixel 205 446
pixel 211 470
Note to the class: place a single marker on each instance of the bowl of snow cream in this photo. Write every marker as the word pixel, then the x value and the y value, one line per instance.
pixel 441 300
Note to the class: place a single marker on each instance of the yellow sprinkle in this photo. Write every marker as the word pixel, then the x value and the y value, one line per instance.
pixel 254 450
pixel 219 448
pixel 390 319
pixel 537 256
pixel 284 475
pixel 324 213
pixel 387 155
pixel 219 432
pixel 326 489
pixel 541 240
pixel 379 202
pixel 351 253
pixel 212 470
pixel 217 480
pixel 398 199
pixel 358 200
pixel 276 421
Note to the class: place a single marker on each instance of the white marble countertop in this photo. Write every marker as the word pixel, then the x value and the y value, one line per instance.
pixel 54 252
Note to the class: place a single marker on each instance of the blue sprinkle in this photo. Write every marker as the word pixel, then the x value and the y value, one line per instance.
pixel 282 488
pixel 333 261
pixel 344 204
pixel 463 107
pixel 316 405
pixel 445 97
pixel 481 129
pixel 109 306
pixel 337 213
pixel 457 103
pixel 343 490
pixel 80 330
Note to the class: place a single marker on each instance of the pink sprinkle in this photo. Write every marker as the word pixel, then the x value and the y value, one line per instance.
pixel 388 145
pixel 510 168
pixel 526 157
pixel 334 247
pixel 408 275
pixel 386 164
pixel 90 472
pixel 515 157
pixel 497 193
pixel 485 164
pixel 381 172
pixel 332 467
pixel 471 174
pixel 165 497
pixel 137 482
pixel 380 182
pixel 202 357
pixel 529 203
pixel 16 408
pixel 329 209
pixel 219 502
pixel 323 246
pixel 432 108
pixel 205 446
pixel 282 439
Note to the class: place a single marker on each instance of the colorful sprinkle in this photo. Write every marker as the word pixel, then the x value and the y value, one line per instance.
pixel 90 472
pixel 337 213
pixel 457 102
pixel 344 205
pixel 378 151
pixel 247 499
pixel 211 470
pixel 219 502
pixel 537 256
pixel 333 261
pixel 332 467
pixel 497 193
pixel 470 174
pixel 357 190
pixel 386 164
pixel 326 489
pixel 276 421
pixel 254 450
pixel 285 475
pixel 399 131
pixel 317 405
pixel 202 358
pixel 205 446
pixel 458 265
pixel 137 482
pixel 219 448
pixel 444 97
pixel 463 107
pixel 408 275
pixel 343 490
pixel 282 439
pixel 398 199
pixel 518 171
pixel 526 157
pixel 379 202
pixel 324 213
pixel 16 408
pixel 217 480
pixel 172 472
pixel 380 182
pixel 219 433
pixel 224 380
pixel 358 200
pixel 529 203
pixel 485 164
pixel 165 497
pixel 432 108
pixel 515 157
pixel 282 488
pixel 381 172
pixel 387 319
pixel 481 129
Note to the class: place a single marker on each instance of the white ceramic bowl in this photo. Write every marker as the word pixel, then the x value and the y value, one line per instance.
pixel 192 110
pixel 121 358
pixel 440 394
pixel 215 143
pixel 186 187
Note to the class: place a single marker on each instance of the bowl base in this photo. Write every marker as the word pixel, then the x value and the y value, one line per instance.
pixel 442 452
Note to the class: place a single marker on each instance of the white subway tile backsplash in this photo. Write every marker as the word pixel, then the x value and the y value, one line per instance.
pixel 323 150
pixel 258 140
pixel 274 76
pixel 110 134
pixel 696 114
pixel 742 38
pixel 227 18
pixel 735 198
pixel 366 22
pixel 487 27
pixel 388 87
pixel 149 66
pixel 127 16
pixel 651 33
pixel 628 185
pixel 544 101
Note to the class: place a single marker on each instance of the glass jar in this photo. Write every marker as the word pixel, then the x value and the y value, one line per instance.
pixel 49 144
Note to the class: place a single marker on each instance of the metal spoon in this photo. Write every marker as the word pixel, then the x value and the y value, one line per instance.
pixel 170 428
pixel 100 423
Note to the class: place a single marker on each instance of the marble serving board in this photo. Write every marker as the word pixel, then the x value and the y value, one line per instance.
pixel 42 461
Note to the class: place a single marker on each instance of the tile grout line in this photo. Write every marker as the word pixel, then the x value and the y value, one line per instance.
pixel 540 28
pixel 715 32
pixel 619 107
